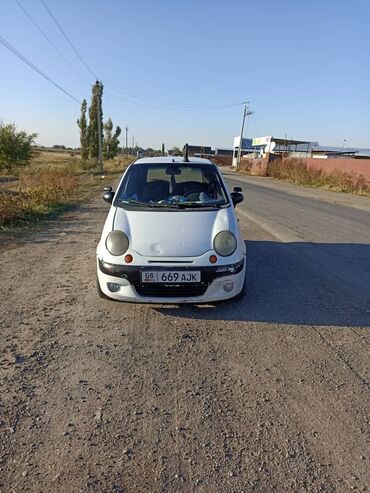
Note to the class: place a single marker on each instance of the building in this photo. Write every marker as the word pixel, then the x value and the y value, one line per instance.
pixel 199 150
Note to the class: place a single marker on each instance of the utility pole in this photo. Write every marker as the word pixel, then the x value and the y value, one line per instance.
pixel 99 94
pixel 126 129
pixel 246 112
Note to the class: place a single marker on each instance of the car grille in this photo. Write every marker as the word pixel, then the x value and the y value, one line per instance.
pixel 168 291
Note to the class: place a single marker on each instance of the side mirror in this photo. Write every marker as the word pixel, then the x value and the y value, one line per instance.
pixel 235 189
pixel 107 189
pixel 108 195
pixel 236 197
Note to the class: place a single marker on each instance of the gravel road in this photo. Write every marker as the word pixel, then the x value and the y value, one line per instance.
pixel 270 393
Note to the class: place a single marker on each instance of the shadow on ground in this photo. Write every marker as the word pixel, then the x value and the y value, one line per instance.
pixel 297 283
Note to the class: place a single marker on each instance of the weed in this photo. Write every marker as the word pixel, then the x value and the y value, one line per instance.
pixel 49 184
pixel 296 171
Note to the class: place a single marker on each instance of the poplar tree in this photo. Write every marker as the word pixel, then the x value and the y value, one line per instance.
pixel 108 127
pixel 82 123
pixel 111 142
pixel 97 92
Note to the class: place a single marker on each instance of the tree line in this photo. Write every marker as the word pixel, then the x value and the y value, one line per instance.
pixel 89 129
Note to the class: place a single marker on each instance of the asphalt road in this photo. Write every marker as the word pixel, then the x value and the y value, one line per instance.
pixel 270 393
pixel 319 270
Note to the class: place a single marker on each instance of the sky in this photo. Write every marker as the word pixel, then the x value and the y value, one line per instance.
pixel 176 71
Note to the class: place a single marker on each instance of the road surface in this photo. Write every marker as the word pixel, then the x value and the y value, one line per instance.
pixel 270 393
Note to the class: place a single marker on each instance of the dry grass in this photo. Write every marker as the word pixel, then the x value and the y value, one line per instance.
pixel 246 166
pixel 39 193
pixel 52 182
pixel 55 159
pixel 296 171
pixel 72 160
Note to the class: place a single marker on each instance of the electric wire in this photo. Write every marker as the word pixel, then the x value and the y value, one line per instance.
pixel 66 37
pixel 34 67
pixel 170 105
pixel 138 103
pixel 136 95
pixel 157 102
pixel 164 107
pixel 50 42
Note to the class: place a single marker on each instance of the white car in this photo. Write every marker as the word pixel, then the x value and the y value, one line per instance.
pixel 171 235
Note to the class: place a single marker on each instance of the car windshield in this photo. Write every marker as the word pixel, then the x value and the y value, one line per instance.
pixel 172 185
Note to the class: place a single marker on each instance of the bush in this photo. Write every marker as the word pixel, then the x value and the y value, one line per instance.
pixel 89 164
pixel 296 171
pixel 15 147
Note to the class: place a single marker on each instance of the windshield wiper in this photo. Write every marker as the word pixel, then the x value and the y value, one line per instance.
pixel 131 202
pixel 200 204
pixel 145 204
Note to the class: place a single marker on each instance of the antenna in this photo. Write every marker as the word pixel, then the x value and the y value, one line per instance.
pixel 186 153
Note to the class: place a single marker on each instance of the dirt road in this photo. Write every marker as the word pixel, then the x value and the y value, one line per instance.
pixel 255 395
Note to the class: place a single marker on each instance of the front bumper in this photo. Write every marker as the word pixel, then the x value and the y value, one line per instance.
pixel 211 288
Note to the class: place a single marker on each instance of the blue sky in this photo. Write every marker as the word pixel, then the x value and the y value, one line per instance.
pixel 304 67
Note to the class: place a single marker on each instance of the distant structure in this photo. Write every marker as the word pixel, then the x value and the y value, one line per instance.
pixel 223 152
pixel 199 150
pixel 260 147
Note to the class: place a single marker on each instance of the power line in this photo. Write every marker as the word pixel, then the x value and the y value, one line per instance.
pixel 163 107
pixel 50 42
pixel 171 105
pixel 30 64
pixel 180 105
pixel 66 37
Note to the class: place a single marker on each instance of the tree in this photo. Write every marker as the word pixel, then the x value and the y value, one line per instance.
pixel 111 142
pixel 82 123
pixel 108 127
pixel 93 134
pixel 163 150
pixel 15 147
pixel 115 141
pixel 175 151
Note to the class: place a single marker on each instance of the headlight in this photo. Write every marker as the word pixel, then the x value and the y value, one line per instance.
pixel 117 243
pixel 225 243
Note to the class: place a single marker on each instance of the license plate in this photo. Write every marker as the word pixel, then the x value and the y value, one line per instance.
pixel 170 277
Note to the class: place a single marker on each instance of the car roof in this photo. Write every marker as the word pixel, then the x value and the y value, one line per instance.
pixel 171 159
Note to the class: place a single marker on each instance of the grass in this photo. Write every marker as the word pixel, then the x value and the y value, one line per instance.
pixel 52 183
pixel 296 171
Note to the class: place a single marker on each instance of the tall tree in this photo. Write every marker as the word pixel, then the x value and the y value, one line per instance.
pixel 163 150
pixel 82 123
pixel 93 133
pixel 111 142
pixel 108 127
pixel 115 141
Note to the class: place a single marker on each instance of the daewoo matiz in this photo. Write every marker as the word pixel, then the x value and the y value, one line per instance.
pixel 171 235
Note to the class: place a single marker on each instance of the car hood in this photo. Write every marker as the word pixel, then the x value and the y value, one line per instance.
pixel 171 234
